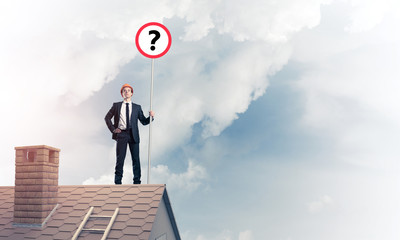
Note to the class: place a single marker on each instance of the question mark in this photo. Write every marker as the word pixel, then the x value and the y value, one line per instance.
pixel 156 37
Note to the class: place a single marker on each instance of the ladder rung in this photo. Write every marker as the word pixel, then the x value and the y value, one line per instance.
pixel 107 231
pixel 99 216
pixel 89 215
pixel 94 229
pixel 76 235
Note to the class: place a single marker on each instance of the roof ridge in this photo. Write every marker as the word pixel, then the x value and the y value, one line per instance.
pixel 117 186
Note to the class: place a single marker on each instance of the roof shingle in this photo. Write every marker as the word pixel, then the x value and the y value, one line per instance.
pixel 137 208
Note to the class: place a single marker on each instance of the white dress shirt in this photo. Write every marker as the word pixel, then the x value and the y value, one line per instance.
pixel 122 116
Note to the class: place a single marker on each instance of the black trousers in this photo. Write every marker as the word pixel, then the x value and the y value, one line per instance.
pixel 125 139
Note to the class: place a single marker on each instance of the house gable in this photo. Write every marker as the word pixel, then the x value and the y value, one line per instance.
pixel 164 226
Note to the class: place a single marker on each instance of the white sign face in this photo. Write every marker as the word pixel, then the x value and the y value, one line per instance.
pixel 153 40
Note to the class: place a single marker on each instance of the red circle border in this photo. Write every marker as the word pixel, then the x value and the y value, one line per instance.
pixel 137 40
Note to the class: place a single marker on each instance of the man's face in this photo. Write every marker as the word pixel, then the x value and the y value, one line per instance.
pixel 127 92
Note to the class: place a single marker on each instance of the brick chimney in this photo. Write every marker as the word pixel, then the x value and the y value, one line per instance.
pixel 36 183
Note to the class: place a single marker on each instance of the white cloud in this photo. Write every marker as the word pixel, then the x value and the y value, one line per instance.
pixel 216 96
pixel 350 89
pixel 67 49
pixel 187 181
pixel 212 97
pixel 103 180
pixel 318 205
pixel 353 99
pixel 223 235
pixel 55 56
pixel 250 20
pixel 246 235
pixel 268 20
pixel 368 14
pixel 59 55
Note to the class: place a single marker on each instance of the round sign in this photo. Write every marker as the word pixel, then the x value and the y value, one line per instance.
pixel 153 40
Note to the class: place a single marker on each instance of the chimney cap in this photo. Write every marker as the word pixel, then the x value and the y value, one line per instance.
pixel 38 146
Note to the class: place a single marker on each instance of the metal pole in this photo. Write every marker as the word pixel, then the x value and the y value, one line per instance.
pixel 151 109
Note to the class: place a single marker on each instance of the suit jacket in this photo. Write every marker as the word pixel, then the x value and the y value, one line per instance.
pixel 137 114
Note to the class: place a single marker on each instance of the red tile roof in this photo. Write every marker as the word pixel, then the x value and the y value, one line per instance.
pixel 137 205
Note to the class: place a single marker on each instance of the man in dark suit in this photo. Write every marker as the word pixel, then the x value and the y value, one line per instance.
pixel 125 131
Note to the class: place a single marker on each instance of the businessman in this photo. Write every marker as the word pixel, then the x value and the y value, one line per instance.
pixel 122 120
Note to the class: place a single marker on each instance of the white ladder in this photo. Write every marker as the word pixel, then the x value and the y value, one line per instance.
pixel 89 215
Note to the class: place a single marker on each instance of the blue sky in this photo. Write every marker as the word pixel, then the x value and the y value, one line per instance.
pixel 274 120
